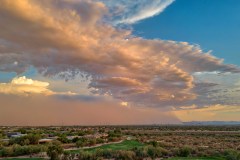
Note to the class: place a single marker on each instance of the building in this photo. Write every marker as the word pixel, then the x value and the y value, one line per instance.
pixel 15 134
pixel 45 140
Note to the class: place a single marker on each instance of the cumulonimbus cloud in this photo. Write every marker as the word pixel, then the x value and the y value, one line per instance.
pixel 71 36
pixel 25 86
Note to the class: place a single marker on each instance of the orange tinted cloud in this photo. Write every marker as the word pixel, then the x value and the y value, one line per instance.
pixel 72 37
pixel 23 86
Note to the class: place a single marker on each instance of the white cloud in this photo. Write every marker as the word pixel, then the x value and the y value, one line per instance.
pixel 129 12
pixel 25 86
pixel 25 81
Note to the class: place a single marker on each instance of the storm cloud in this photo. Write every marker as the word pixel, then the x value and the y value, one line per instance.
pixel 72 37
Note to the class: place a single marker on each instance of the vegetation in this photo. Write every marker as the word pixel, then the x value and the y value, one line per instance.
pixel 17 150
pixel 30 139
pixel 125 142
pixel 125 145
pixel 54 151
pixel 24 159
pixel 197 158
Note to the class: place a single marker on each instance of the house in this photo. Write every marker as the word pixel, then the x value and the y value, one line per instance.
pixel 45 140
pixel 15 134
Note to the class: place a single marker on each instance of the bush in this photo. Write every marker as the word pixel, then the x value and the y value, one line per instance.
pixel 54 151
pixel 126 155
pixel 99 140
pixel 140 152
pixel 25 140
pixel 92 142
pixel 86 156
pixel 74 140
pixel 81 143
pixel 63 139
pixel 106 153
pixel 18 150
pixel 7 151
pixel 184 152
pixel 232 155
pixel 68 155
pixel 154 152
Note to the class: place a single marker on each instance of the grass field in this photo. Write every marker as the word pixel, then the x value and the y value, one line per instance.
pixel 125 145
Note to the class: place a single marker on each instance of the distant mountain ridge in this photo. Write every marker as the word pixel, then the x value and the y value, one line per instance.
pixel 212 123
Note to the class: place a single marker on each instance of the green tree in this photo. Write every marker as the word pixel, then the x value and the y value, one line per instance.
pixel 22 130
pixel 74 140
pixel 63 139
pixel 54 151
pixel 33 138
pixel 81 142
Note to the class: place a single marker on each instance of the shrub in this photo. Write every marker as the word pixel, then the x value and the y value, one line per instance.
pixel 140 152
pixel 18 150
pixel 7 151
pixel 153 152
pixel 232 155
pixel 126 155
pixel 86 156
pixel 25 140
pixel 92 142
pixel 54 151
pixel 99 140
pixel 108 153
pixel 184 152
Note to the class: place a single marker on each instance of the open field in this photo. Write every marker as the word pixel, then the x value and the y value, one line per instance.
pixel 125 145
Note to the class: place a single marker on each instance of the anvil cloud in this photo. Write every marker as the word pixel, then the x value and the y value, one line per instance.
pixel 72 37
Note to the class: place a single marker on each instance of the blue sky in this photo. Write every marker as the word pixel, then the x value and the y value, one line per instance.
pixel 213 24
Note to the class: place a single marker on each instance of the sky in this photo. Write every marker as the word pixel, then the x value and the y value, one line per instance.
pixel 102 62
pixel 211 24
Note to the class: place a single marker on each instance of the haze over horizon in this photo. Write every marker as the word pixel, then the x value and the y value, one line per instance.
pixel 99 62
